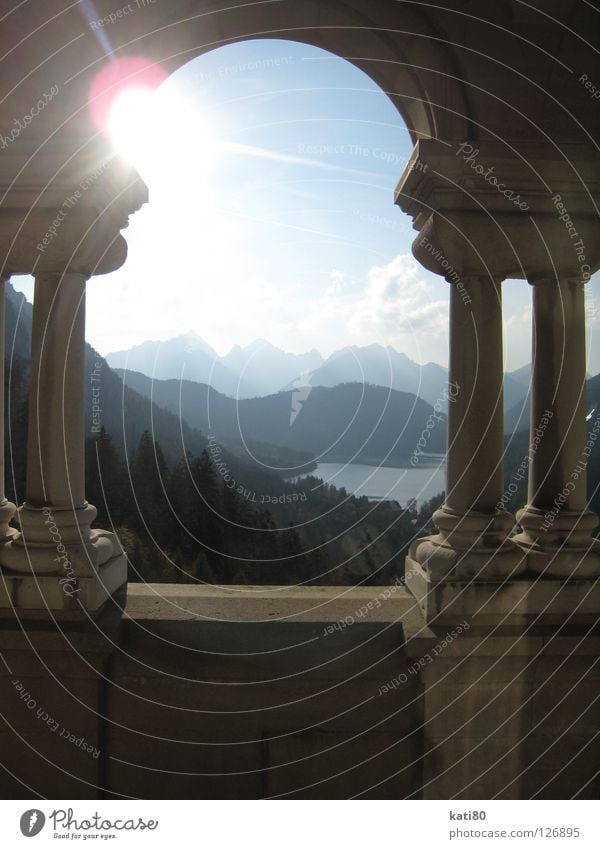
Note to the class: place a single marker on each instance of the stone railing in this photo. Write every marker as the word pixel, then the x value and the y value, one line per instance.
pixel 314 692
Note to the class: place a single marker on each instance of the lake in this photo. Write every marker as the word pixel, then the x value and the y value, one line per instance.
pixel 385 482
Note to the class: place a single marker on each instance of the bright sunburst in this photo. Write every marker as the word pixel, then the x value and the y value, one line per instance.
pixel 131 119
pixel 166 138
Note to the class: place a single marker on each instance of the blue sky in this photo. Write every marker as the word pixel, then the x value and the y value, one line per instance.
pixel 272 167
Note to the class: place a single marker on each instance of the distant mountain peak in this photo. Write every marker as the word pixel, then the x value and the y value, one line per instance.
pixel 192 336
pixel 260 368
pixel 193 342
pixel 261 343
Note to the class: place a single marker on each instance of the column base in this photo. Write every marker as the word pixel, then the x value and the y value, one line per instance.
pixel 512 602
pixel 561 545
pixel 7 512
pixel 58 566
pixel 470 546
pixel 58 542
pixel 44 596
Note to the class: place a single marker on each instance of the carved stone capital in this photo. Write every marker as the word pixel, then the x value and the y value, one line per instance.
pixel 483 210
pixel 68 214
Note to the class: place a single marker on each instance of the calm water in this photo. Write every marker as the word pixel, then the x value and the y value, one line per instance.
pixel 383 482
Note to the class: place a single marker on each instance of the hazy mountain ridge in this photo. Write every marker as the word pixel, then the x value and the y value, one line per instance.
pixel 348 422
pixel 186 356
pixel 261 369
pixel 269 369
pixel 124 413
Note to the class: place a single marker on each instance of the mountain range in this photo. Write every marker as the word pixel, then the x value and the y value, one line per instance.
pixel 351 422
pixel 245 372
pixel 364 404
pixel 261 369
pixel 284 431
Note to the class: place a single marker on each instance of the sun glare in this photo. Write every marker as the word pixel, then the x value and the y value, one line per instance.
pixel 165 138
pixel 130 122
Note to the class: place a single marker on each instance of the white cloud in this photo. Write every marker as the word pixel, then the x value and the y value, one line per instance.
pixel 338 282
pixel 393 296
pixel 398 306
pixel 401 307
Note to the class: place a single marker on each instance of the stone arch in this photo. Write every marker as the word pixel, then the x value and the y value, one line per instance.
pixel 401 55
pixel 403 51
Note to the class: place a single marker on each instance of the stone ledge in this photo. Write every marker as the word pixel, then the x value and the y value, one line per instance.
pixel 520 602
pixel 289 628
pixel 256 604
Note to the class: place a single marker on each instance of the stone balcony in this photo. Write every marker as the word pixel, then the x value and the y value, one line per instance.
pixel 305 692
pixel 327 692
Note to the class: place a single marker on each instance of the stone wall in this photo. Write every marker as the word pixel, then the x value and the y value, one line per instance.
pixel 295 693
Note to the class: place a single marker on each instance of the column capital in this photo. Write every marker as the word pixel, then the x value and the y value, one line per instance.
pixel 65 209
pixel 493 176
pixel 459 245
pixel 557 279
pixel 69 271
pixel 513 213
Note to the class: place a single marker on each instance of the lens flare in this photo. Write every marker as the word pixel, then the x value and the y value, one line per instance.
pixel 117 77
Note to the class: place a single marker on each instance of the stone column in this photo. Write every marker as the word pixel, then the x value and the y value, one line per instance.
pixel 475 410
pixel 55 519
pixel 57 565
pixel 556 523
pixel 7 509
pixel 473 525
pixel 56 436
pixel 509 217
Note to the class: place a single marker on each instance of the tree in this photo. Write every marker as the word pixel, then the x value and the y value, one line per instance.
pixel 149 511
pixel 106 480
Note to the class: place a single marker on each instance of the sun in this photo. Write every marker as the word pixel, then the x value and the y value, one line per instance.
pixel 131 120
pixel 139 123
pixel 165 137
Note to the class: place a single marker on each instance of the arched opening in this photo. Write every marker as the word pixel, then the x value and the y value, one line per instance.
pixel 271 232
pixel 283 318
pixel 234 693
